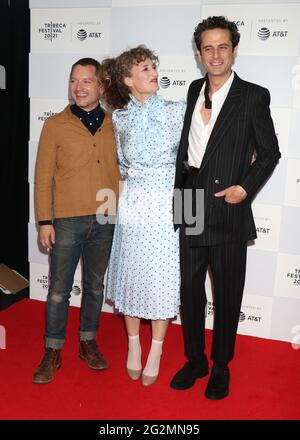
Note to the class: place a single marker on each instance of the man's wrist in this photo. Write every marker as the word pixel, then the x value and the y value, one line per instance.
pixel 45 222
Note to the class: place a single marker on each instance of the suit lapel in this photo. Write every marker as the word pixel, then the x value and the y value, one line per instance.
pixel 192 103
pixel 225 119
pixel 188 117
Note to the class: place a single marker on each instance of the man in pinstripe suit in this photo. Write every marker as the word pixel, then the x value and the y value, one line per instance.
pixel 228 148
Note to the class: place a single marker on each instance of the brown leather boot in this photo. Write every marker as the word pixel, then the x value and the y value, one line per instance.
pixel 89 351
pixel 50 363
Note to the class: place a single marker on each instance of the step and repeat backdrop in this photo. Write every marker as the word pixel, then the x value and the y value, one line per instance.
pixel 269 54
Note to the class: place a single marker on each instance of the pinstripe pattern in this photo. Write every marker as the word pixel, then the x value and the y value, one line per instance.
pixel 227 263
pixel 243 127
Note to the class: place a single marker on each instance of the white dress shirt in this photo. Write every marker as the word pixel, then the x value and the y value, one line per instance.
pixel 199 132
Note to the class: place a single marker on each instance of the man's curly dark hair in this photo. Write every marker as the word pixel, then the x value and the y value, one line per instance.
pixel 213 23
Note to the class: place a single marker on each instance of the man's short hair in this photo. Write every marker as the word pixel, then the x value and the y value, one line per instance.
pixel 88 62
pixel 214 23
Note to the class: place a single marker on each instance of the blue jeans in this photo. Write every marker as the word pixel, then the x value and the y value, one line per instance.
pixel 77 237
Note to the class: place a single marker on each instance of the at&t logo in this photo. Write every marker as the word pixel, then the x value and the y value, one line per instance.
pixel 81 34
pixel 242 317
pixel 263 33
pixel 164 82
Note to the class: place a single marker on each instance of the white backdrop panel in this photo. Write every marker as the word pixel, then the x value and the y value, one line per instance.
pixel 70 30
pixel 269 72
pixel 32 218
pixel 33 147
pixel 49 74
pixel 282 119
pixel 40 110
pixel 296 83
pixel 70 3
pixel 292 186
pixel 255 315
pixel 273 191
pixel 175 76
pixel 260 272
pixel 287 281
pixel 264 31
pixel 285 319
pixel 294 142
pixel 290 237
pixel 267 220
pixel 247 2
pixel 147 25
pixel 125 3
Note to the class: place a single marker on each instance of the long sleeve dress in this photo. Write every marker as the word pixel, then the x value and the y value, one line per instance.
pixel 143 275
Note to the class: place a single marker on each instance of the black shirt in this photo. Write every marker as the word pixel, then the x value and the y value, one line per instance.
pixel 91 120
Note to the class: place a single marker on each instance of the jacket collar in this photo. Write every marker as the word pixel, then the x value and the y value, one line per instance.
pixel 224 120
pixel 68 117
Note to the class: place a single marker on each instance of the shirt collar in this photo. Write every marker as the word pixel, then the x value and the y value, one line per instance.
pixel 92 120
pixel 152 100
pixel 83 113
pixel 223 91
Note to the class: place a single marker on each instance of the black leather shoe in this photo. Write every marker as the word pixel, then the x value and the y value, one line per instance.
pixel 187 376
pixel 218 384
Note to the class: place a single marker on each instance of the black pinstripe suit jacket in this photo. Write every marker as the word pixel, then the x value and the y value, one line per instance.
pixel 244 126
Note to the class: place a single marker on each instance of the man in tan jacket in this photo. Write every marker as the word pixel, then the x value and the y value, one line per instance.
pixel 76 159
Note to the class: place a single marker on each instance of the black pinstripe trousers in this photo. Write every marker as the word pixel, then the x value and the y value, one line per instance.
pixel 227 266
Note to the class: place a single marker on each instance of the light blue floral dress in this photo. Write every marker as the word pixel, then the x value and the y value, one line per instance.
pixel 143 275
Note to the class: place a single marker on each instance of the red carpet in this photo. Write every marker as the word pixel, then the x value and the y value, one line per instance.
pixel 265 376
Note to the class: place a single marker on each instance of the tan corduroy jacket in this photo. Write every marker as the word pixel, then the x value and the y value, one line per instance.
pixel 72 166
